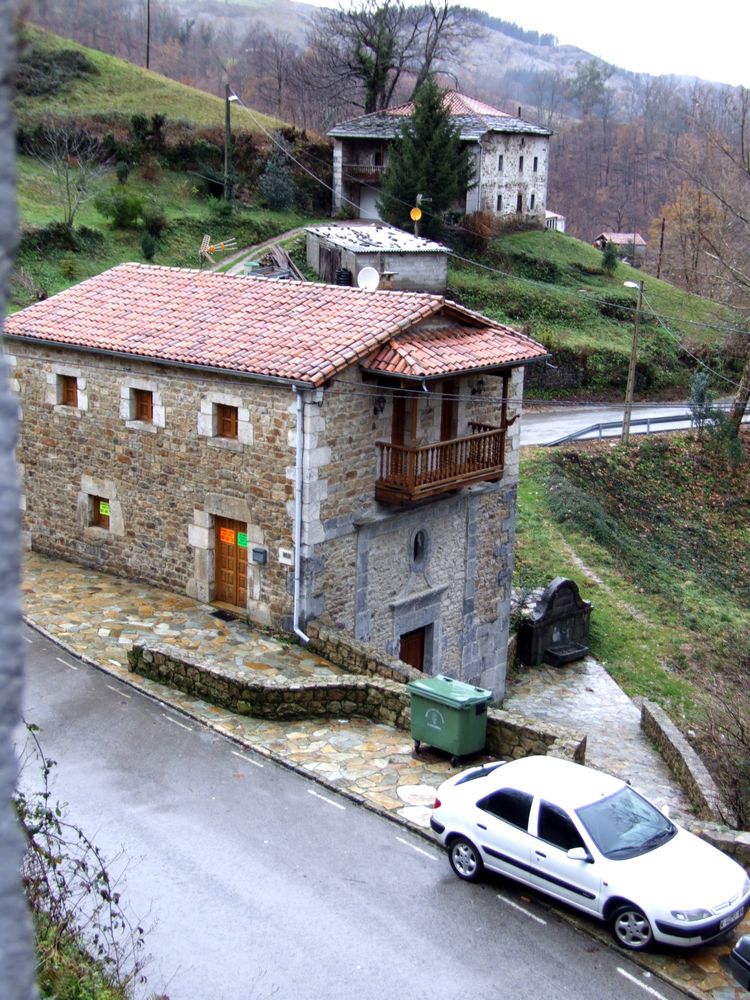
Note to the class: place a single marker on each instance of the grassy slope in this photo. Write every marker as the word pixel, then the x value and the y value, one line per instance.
pixel 564 311
pixel 664 530
pixel 122 88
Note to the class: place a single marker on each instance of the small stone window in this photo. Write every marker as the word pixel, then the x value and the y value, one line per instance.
pixel 420 549
pixel 143 405
pixel 67 390
pixel 99 512
pixel 536 164
pixel 519 202
pixel 499 203
pixel 520 164
pixel 500 163
pixel 227 421
pixel 532 201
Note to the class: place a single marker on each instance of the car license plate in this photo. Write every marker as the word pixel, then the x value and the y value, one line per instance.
pixel 730 919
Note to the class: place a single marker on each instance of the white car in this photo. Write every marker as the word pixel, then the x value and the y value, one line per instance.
pixel 592 841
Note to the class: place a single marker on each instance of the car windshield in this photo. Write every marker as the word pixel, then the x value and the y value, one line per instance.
pixel 625 825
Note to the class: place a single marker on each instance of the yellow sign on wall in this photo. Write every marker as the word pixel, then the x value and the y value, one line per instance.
pixel 104 508
pixel 415 215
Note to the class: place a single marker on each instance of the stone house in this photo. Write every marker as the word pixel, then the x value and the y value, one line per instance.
pixel 510 159
pixel 403 262
pixel 297 451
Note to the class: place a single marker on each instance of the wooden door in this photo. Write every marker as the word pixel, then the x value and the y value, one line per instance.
pixel 231 562
pixel 448 410
pixel 412 648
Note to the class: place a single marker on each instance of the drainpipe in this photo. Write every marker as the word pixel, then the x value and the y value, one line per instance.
pixel 298 511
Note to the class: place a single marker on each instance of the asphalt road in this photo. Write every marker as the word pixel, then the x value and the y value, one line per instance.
pixel 541 424
pixel 255 882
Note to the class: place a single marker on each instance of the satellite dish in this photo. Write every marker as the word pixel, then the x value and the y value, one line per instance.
pixel 368 279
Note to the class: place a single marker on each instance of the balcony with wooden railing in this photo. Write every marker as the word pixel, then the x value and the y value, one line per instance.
pixel 408 474
pixel 362 172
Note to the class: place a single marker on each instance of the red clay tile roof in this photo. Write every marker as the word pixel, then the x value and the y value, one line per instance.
pixel 295 331
pixel 455 104
pixel 435 351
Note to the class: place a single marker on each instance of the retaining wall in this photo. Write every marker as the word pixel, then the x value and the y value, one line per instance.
pixel 369 696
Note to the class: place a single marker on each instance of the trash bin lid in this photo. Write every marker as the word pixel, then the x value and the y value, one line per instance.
pixel 447 691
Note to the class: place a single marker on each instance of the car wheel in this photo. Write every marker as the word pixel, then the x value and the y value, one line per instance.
pixel 465 859
pixel 630 928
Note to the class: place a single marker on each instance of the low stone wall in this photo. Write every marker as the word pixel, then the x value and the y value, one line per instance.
pixel 683 762
pixel 700 787
pixel 357 657
pixel 370 697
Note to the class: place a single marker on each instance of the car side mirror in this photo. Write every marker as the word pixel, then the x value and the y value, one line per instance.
pixel 580 854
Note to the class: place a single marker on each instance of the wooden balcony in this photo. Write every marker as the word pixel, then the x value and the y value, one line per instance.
pixel 362 172
pixel 410 474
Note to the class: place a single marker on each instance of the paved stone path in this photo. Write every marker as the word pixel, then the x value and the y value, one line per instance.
pixel 583 694
pixel 99 617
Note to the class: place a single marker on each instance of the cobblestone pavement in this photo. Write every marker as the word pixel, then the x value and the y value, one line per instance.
pixel 99 617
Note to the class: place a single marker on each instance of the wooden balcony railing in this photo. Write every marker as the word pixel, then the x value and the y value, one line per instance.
pixel 408 474
pixel 362 171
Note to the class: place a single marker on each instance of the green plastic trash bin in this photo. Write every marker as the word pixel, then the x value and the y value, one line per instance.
pixel 449 715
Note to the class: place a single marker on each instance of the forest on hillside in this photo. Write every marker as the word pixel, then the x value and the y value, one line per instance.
pixel 630 153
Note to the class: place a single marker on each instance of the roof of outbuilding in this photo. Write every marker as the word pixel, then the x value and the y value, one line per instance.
pixel 295 331
pixel 364 239
pixel 623 238
pixel 473 119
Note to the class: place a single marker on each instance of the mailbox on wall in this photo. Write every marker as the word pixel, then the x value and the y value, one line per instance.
pixel 260 556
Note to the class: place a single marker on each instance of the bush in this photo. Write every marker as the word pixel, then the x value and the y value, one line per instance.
pixel 148 246
pixel 610 259
pixel 43 71
pixel 122 208
pixel 276 184
pixel 154 219
pixel 69 266
pixel 122 170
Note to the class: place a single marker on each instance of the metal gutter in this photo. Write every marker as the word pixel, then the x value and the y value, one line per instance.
pixel 297 541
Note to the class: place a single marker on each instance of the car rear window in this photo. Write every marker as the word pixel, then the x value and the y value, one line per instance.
pixel 481 772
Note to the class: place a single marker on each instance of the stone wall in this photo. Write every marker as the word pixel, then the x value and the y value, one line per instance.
pixel 510 181
pixel 683 762
pixel 369 695
pixel 165 481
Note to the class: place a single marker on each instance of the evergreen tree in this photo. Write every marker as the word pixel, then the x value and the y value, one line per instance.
pixel 427 158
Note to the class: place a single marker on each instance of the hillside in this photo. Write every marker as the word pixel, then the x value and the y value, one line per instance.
pixel 553 286
pixel 657 536
pixel 112 90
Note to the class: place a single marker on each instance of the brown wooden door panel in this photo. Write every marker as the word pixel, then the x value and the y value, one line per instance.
pixel 412 648
pixel 231 562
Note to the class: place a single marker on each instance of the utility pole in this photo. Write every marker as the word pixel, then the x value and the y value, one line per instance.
pixel 148 33
pixel 633 361
pixel 228 98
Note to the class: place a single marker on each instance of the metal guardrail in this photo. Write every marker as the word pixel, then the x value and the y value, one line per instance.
pixel 647 422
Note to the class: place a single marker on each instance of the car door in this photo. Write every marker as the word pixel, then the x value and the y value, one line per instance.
pixel 502 831
pixel 576 881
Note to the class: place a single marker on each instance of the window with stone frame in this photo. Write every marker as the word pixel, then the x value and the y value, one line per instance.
pixel 532 201
pixel 143 405
pixel 519 202
pixel 67 390
pixel 99 512
pixel 499 203
pixel 227 421
pixel 500 162
pixel 520 164
pixel 535 168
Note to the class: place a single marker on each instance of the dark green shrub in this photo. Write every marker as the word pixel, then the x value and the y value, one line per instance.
pixel 122 170
pixel 154 219
pixel 122 208
pixel 610 258
pixel 148 246
pixel 42 71
pixel 55 236
pixel 89 239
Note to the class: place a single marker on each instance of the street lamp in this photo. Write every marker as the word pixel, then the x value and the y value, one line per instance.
pixel 633 359
pixel 228 99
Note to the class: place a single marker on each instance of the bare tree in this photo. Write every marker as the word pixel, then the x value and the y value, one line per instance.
pixel 75 159
pixel 721 170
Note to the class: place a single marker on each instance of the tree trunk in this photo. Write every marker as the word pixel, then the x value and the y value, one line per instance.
pixel 739 404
